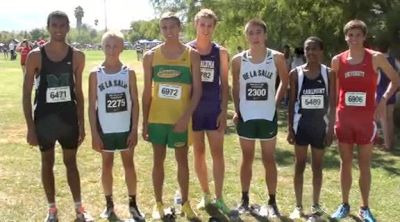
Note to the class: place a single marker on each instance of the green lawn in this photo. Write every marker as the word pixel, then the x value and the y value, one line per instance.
pixel 22 197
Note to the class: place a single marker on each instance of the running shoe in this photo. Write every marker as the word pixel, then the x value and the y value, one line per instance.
pixel 297 213
pixel 136 214
pixel 366 215
pixel 83 216
pixel 205 200
pixel 51 215
pixel 342 212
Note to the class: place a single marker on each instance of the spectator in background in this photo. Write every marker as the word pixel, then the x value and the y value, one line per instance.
pixel 387 120
pixel 5 51
pixel 24 48
pixel 11 48
pixel 298 58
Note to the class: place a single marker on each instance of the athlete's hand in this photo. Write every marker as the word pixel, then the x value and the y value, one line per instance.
pixel 145 133
pixel 380 109
pixel 235 118
pixel 221 121
pixel 290 137
pixel 329 137
pixel 31 137
pixel 132 140
pixel 82 134
pixel 97 143
pixel 181 125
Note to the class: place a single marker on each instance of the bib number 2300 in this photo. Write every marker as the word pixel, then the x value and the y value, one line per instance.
pixel 256 91
pixel 58 94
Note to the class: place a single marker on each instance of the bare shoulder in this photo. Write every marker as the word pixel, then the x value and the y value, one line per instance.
pixel 236 58
pixel 131 71
pixel 223 51
pixel 78 53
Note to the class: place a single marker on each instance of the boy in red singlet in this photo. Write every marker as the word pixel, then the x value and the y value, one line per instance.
pixel 356 111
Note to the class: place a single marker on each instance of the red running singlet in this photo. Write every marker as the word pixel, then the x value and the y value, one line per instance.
pixel 356 106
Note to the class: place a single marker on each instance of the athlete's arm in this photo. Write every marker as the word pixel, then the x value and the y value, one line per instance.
pixel 292 99
pixel 332 107
pixel 279 60
pixel 79 61
pixel 97 143
pixel 183 121
pixel 146 96
pixel 235 84
pixel 132 139
pixel 224 68
pixel 335 70
pixel 380 61
pixel 32 67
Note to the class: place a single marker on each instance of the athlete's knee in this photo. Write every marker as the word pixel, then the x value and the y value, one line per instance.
pixel 300 166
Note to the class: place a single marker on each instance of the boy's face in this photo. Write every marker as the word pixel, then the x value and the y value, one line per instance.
pixel 312 51
pixel 355 37
pixel 170 29
pixel 112 47
pixel 255 35
pixel 58 28
pixel 205 27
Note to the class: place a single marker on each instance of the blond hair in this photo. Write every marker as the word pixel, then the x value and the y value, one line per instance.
pixel 112 34
pixel 172 16
pixel 206 13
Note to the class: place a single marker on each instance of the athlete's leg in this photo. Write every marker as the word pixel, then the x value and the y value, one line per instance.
pixel 268 158
pixel 106 172
pixel 346 157
pixel 216 141
pixel 69 158
pixel 390 126
pixel 130 172
pixel 247 163
pixel 181 156
pixel 364 163
pixel 317 156
pixel 300 165
pixel 159 152
pixel 47 157
pixel 200 164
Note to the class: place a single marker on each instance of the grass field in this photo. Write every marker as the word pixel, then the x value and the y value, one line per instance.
pixel 22 197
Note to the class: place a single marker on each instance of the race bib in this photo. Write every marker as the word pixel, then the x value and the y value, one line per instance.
pixel 355 98
pixel 257 91
pixel 312 101
pixel 207 74
pixel 116 102
pixel 58 94
pixel 169 92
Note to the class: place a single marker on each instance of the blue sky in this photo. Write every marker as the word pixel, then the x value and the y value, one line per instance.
pixel 30 14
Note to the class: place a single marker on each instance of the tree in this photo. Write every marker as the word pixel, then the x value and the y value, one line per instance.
pixel 78 12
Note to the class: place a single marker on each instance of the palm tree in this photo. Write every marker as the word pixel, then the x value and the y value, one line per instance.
pixel 78 15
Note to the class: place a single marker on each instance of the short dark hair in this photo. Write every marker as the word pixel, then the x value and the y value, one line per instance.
pixel 258 22
pixel 57 14
pixel 316 40
pixel 355 24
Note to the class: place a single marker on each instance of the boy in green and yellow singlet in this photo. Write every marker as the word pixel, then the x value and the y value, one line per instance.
pixel 172 90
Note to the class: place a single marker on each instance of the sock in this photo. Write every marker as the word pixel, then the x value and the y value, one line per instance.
pixel 109 201
pixel 52 205
pixel 245 196
pixel 78 205
pixel 271 200
pixel 132 201
pixel 364 207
